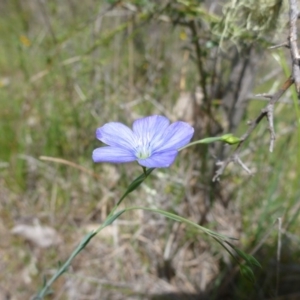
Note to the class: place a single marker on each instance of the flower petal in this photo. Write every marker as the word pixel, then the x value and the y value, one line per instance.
pixel 151 127
pixel 176 136
pixel 112 155
pixel 159 159
pixel 117 135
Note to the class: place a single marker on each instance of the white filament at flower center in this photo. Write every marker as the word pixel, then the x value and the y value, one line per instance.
pixel 143 147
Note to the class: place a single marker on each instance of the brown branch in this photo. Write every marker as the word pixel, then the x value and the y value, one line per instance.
pixel 268 110
pixel 285 44
pixel 199 54
pixel 264 95
pixel 265 112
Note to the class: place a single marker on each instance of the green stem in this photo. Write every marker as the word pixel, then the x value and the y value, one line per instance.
pixel 65 266
pixel 203 141
pixel 113 216
pixel 110 218
pixel 145 171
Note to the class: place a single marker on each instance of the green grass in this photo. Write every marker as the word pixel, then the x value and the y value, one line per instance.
pixel 79 72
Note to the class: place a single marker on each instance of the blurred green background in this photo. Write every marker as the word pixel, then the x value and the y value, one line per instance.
pixel 68 67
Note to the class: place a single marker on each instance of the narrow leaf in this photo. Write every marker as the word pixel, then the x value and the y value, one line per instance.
pixel 249 259
pixel 181 220
pixel 112 218
pixel 247 272
pixel 253 261
pixel 135 184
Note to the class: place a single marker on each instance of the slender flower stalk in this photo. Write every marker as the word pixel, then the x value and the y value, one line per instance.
pixel 152 141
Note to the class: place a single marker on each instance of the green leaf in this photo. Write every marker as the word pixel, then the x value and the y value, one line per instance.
pixel 247 272
pixel 253 261
pixel 112 218
pixel 135 184
pixel 86 239
pixel 249 259
pixel 181 220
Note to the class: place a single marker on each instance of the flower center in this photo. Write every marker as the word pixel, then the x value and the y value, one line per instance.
pixel 143 154
pixel 143 147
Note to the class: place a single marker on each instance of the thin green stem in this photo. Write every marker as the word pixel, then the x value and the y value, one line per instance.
pixel 65 266
pixel 145 171
pixel 110 219
pixel 113 216
pixel 203 141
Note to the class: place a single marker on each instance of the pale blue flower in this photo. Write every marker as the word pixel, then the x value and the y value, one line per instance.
pixel 152 142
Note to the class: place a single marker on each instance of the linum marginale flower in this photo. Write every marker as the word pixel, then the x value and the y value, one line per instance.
pixel 152 142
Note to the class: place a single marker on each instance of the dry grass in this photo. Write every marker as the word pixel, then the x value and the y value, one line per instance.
pixel 69 68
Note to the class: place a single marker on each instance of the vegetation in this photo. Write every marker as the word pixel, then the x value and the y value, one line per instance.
pixel 68 67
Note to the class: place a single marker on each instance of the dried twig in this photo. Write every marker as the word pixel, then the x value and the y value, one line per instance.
pixel 285 44
pixel 71 164
pixel 266 112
